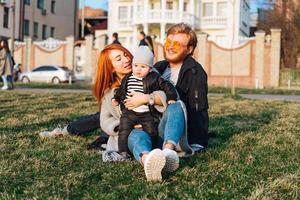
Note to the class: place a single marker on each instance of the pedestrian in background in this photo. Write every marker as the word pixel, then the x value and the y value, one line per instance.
pixel 142 37
pixel 115 38
pixel 6 65
pixel 149 42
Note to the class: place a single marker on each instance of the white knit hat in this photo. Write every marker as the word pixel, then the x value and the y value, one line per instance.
pixel 143 55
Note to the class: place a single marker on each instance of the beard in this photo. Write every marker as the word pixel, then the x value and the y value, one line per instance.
pixel 177 58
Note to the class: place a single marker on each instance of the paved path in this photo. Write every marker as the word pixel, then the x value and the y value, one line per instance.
pixel 270 97
pixel 50 90
pixel 295 98
pixel 292 98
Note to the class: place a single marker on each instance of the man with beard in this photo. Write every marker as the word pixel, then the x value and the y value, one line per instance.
pixel 190 80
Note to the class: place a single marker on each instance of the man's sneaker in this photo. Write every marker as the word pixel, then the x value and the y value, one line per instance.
pixel 153 165
pixel 172 160
pixel 56 132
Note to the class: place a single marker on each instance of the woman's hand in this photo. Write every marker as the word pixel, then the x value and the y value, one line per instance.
pixel 136 99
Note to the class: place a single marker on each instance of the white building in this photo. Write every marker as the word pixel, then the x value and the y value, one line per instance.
pixel 225 21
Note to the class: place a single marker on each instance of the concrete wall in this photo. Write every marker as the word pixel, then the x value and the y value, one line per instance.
pixel 253 65
pixel 256 64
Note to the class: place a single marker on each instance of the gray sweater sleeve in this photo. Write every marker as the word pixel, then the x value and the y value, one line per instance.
pixel 108 122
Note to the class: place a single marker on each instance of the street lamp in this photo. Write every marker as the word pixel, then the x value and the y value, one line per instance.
pixel 82 17
pixel 13 6
pixel 231 52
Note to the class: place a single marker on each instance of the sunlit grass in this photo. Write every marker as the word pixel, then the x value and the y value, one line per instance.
pixel 253 153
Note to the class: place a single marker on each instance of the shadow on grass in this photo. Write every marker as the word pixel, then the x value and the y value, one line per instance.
pixel 222 128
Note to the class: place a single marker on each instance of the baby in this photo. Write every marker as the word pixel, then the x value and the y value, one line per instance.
pixel 145 80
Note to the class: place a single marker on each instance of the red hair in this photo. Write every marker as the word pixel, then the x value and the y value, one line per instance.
pixel 104 77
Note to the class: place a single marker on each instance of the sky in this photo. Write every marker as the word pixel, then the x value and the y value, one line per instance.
pixel 94 3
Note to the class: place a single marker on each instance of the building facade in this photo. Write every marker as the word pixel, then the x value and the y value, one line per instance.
pixel 225 21
pixel 6 18
pixel 50 18
pixel 39 19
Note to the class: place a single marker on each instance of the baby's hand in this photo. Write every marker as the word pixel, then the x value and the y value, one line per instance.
pixel 114 102
pixel 138 126
pixel 171 101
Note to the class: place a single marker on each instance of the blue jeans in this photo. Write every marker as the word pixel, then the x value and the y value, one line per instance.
pixel 4 78
pixel 171 127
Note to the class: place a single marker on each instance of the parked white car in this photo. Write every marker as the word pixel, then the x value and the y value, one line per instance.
pixel 47 73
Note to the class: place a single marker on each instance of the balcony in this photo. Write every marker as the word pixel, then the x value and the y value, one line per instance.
pixel 167 16
pixel 214 23
pixel 124 25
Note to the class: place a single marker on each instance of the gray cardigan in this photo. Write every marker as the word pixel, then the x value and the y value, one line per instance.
pixel 110 119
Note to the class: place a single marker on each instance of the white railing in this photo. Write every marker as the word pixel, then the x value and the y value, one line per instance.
pixel 50 44
pixel 214 22
pixel 167 16
pixel 125 24
pixel 19 44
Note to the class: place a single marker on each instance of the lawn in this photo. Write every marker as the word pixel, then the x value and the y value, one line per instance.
pixel 211 89
pixel 253 153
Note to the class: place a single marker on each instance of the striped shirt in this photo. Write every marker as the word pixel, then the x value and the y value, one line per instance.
pixel 135 84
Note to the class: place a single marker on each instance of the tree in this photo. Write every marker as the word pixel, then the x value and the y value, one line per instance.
pixel 285 15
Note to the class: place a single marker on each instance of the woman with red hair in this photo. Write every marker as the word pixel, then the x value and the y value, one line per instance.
pixel 114 63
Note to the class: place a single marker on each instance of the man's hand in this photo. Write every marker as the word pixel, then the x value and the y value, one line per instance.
pixel 136 99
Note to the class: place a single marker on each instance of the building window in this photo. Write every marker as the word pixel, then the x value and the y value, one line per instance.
pixel 27 2
pixel 123 13
pixel 40 4
pixel 35 29
pixel 185 6
pixel 53 3
pixel 222 9
pixel 44 32
pixel 52 30
pixel 5 17
pixel 26 27
pixel 169 5
pixel 207 9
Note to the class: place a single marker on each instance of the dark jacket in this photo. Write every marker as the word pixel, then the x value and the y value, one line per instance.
pixel 116 42
pixel 143 43
pixel 192 89
pixel 152 82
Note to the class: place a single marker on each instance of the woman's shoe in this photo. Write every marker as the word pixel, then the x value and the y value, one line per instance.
pixel 172 160
pixel 56 132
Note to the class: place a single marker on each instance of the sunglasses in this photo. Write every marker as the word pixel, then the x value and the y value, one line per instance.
pixel 176 45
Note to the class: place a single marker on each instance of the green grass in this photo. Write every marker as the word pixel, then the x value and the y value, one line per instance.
pixel 220 90
pixel 253 153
